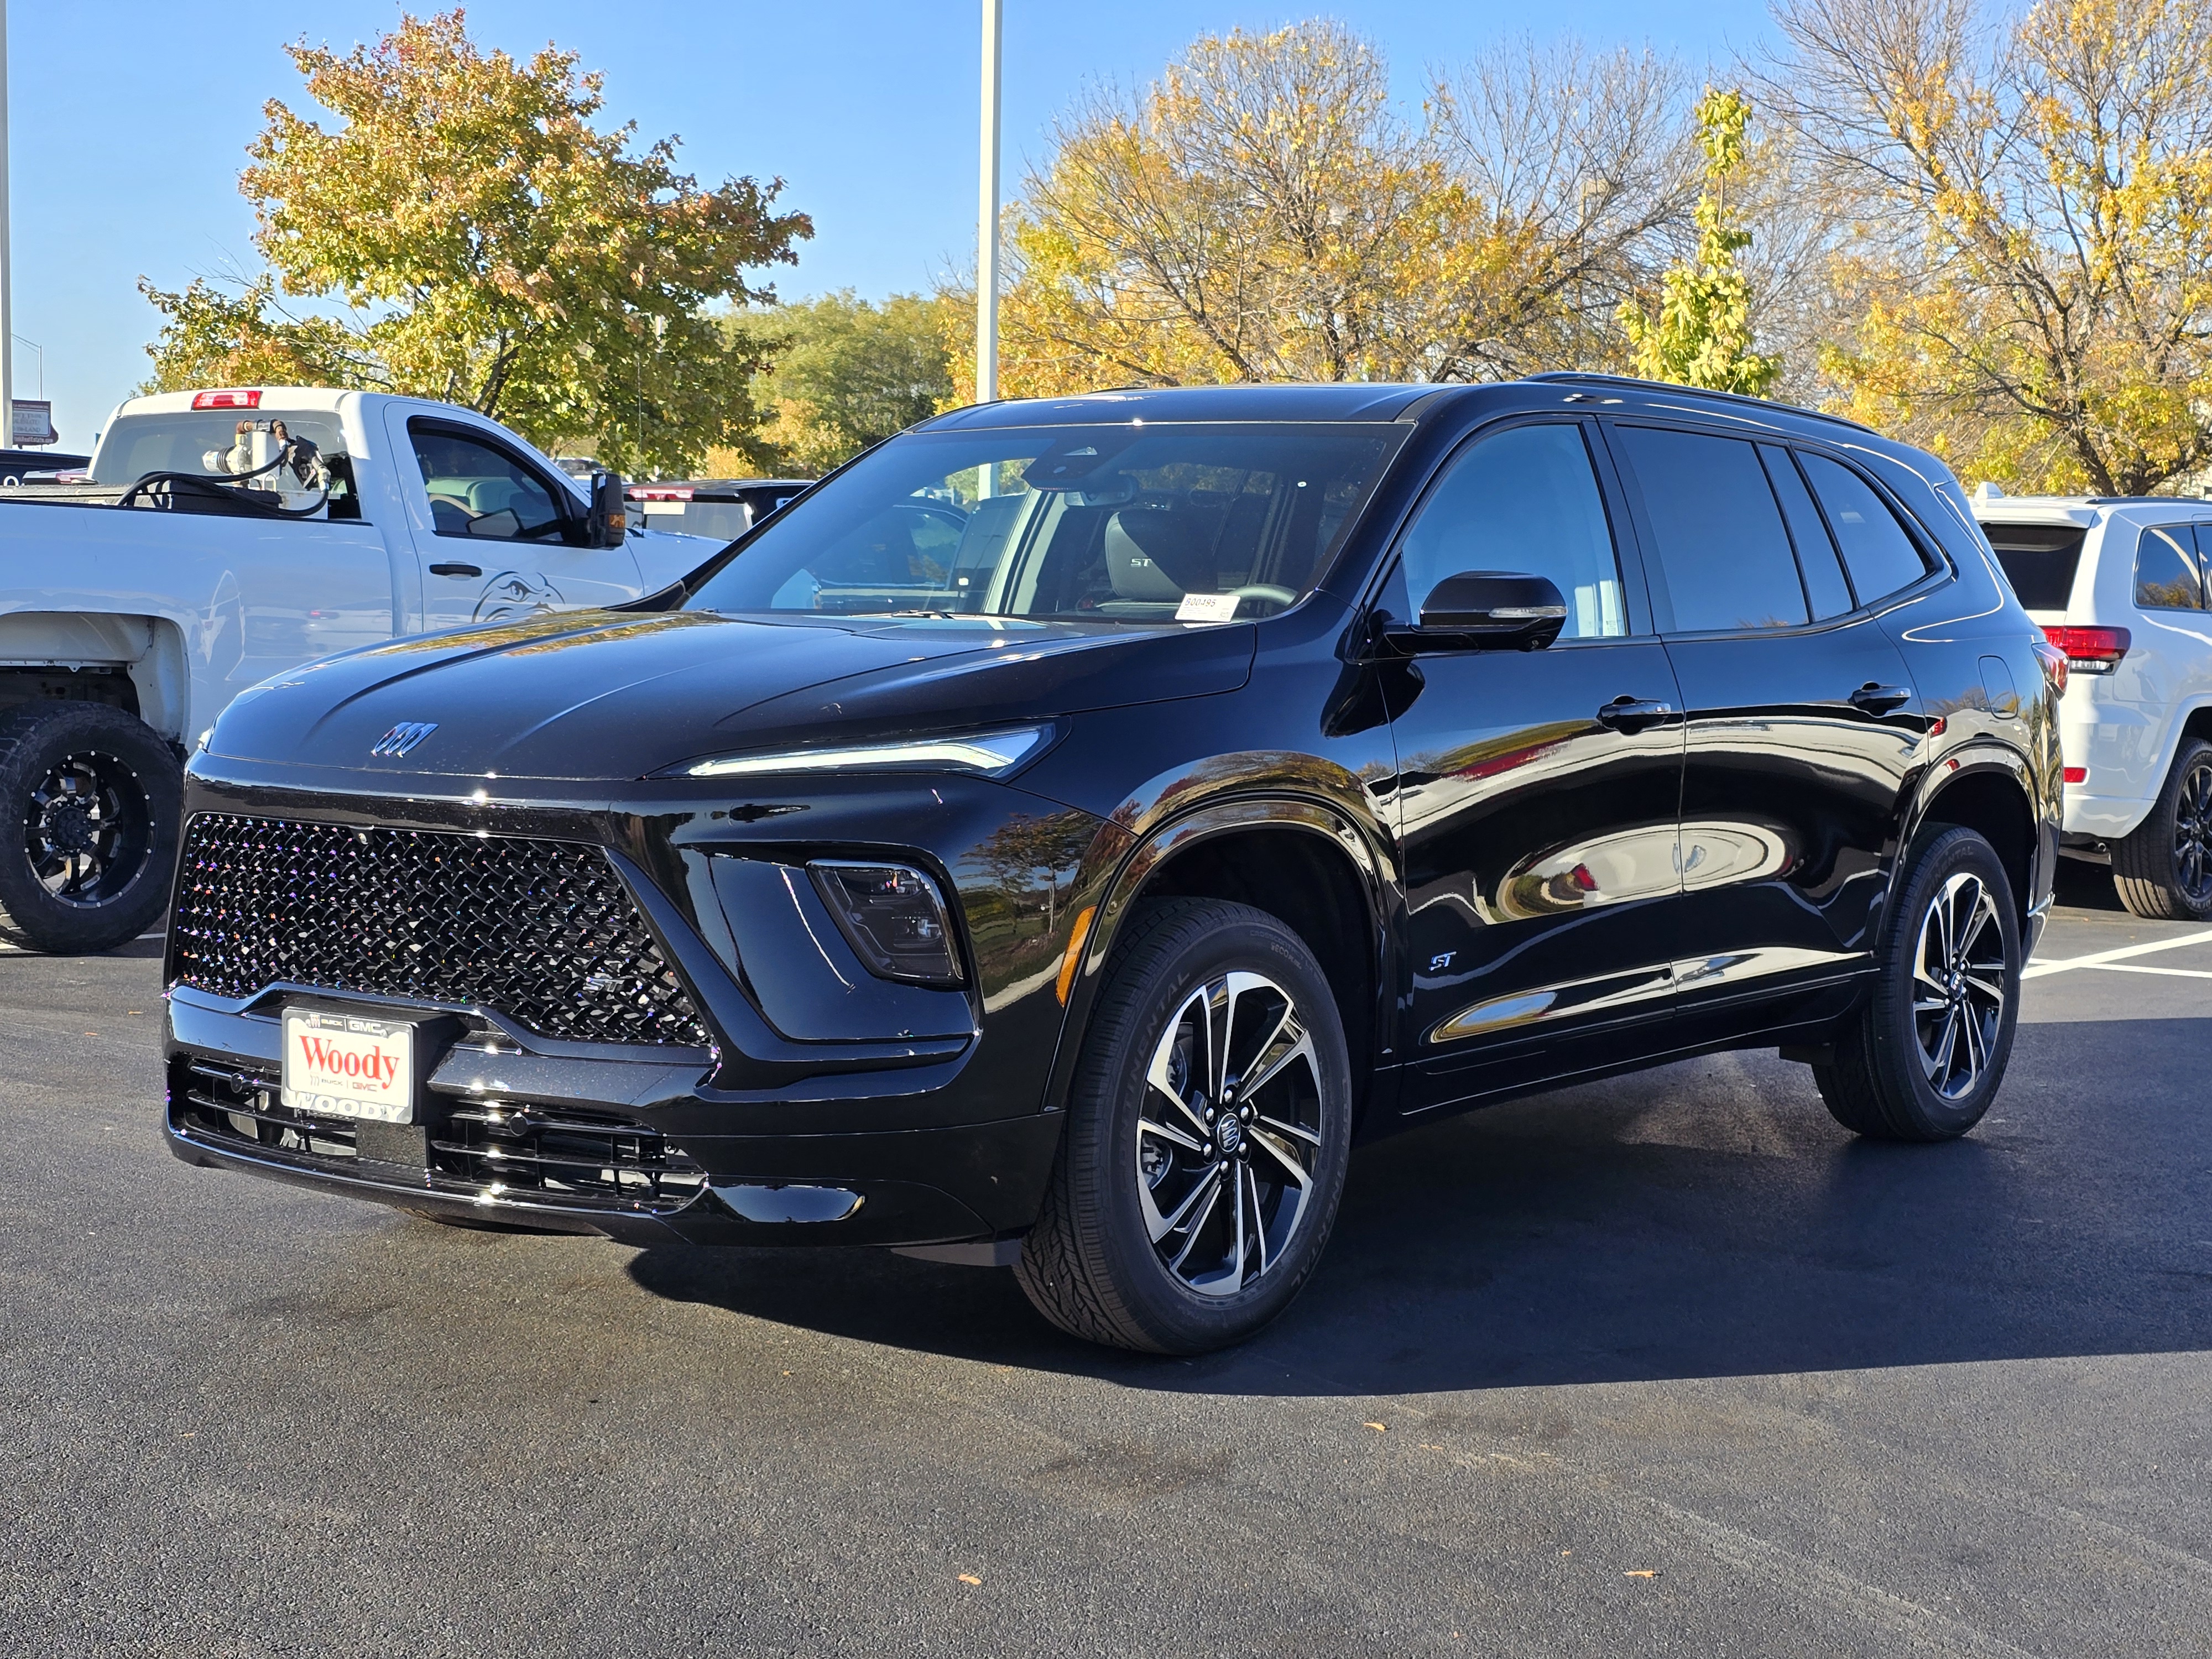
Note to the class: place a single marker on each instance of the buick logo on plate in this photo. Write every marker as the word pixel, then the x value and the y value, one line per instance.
pixel 403 737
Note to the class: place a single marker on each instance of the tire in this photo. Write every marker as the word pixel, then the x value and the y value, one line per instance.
pixel 1137 1158
pixel 2163 868
pixel 89 805
pixel 1950 963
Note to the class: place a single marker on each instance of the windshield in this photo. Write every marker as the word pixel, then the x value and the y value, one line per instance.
pixel 1131 523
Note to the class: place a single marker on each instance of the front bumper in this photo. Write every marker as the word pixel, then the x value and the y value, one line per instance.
pixel 556 1154
pixel 762 1131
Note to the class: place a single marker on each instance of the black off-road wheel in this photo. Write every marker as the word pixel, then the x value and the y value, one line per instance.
pixel 2163 869
pixel 1207 1132
pixel 90 799
pixel 1925 1057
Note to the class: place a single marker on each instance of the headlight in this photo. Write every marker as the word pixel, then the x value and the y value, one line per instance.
pixel 892 916
pixel 991 754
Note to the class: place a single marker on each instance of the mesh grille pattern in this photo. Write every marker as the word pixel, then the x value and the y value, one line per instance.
pixel 542 931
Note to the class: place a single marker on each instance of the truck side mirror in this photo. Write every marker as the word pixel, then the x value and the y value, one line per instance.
pixel 608 521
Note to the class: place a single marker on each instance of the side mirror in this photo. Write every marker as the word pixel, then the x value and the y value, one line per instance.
pixel 1491 610
pixel 608 522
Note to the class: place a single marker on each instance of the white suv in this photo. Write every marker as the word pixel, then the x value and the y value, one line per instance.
pixel 2120 585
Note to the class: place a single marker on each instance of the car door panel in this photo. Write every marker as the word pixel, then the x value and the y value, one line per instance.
pixel 487 577
pixel 1537 822
pixel 1803 735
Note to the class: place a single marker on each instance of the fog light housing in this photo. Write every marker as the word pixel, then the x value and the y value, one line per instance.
pixel 894 918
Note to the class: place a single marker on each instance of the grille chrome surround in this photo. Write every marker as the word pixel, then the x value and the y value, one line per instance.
pixel 543 932
pixel 563 1158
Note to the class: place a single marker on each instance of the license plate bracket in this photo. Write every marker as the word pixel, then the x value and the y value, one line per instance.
pixel 368 1064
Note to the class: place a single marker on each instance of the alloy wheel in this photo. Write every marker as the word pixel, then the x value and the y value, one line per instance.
pixel 2192 835
pixel 1958 984
pixel 87 829
pixel 1228 1134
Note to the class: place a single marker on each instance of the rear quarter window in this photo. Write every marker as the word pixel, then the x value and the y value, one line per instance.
pixel 1880 556
pixel 2168 576
pixel 2039 560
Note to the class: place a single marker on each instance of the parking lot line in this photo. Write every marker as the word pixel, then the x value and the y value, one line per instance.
pixel 2099 958
pixel 2138 967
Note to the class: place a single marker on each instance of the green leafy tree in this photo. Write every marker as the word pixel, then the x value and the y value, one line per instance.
pixel 843 374
pixel 498 249
pixel 1701 335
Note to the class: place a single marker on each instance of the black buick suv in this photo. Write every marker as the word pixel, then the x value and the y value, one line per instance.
pixel 1059 835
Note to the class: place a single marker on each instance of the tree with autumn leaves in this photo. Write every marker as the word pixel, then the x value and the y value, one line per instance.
pixel 2023 281
pixel 490 245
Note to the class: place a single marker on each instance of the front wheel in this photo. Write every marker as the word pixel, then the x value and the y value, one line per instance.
pixel 2163 870
pixel 89 804
pixel 1207 1133
pixel 1923 1059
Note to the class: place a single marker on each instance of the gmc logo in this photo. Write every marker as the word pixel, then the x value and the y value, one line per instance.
pixel 403 737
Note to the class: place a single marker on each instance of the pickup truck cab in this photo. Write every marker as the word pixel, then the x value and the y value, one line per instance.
pixel 227 536
pixel 2119 584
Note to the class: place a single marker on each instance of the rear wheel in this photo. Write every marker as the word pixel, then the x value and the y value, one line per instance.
pixel 1925 1057
pixel 1206 1137
pixel 89 805
pixel 2164 869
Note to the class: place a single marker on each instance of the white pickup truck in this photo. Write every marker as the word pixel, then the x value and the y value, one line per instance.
pixel 222 536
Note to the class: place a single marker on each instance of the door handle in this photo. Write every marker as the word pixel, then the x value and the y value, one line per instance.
pixel 1879 699
pixel 1632 714
pixel 457 570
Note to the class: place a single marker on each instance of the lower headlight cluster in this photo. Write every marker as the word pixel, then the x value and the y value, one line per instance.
pixel 894 918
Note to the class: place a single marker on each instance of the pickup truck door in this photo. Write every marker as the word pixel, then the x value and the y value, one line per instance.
pixel 496 534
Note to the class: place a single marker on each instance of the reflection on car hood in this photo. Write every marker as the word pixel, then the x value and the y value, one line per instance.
pixel 611 694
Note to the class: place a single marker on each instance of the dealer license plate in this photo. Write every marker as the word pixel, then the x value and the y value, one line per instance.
pixel 338 1066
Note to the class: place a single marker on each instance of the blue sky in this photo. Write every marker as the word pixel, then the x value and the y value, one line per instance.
pixel 130 123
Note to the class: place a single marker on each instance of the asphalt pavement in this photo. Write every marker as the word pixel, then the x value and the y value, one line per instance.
pixel 1669 1364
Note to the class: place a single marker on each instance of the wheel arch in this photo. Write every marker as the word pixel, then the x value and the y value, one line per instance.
pixel 1303 861
pixel 1991 794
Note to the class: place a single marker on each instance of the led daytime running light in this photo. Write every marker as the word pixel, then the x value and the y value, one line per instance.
pixel 987 753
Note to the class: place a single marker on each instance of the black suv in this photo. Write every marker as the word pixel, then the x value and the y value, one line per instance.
pixel 1059 836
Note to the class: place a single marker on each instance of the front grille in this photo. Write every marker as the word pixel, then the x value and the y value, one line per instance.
pixel 570 1158
pixel 542 931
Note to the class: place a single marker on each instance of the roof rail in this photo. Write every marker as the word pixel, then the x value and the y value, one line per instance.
pixel 1584 377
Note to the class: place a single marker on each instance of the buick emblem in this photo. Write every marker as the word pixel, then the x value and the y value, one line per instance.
pixel 402 738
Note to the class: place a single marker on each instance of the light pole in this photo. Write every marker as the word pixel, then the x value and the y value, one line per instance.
pixel 986 220
pixel 7 285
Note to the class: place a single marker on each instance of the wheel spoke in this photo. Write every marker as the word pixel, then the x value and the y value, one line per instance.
pixel 1152 1126
pixel 1212 1187
pixel 1250 1182
pixel 1236 1266
pixel 1159 1075
pixel 1220 1003
pixel 1994 993
pixel 1981 916
pixel 1938 1064
pixel 1977 1048
pixel 1161 1225
pixel 1302 1049
pixel 1297 1130
pixel 1282 1154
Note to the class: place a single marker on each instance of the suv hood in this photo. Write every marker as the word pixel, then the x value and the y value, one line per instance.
pixel 613 695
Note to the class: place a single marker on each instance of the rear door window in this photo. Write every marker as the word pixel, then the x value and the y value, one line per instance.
pixel 1723 560
pixel 1880 556
pixel 2168 576
pixel 2039 560
pixel 1526 501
